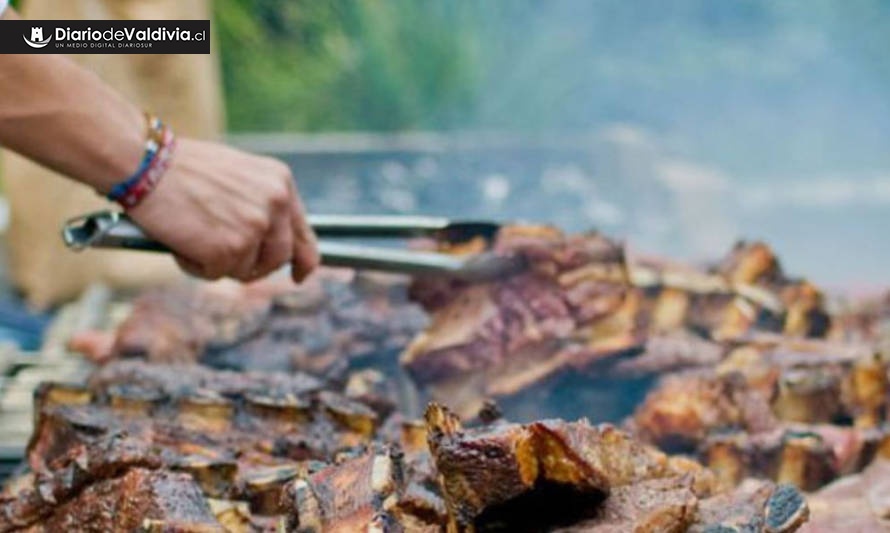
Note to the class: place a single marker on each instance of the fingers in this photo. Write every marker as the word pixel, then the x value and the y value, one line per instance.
pixel 244 243
pixel 226 213
pixel 245 268
pixel 304 257
pixel 194 269
pixel 277 246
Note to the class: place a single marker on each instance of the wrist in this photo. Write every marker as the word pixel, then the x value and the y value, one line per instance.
pixel 122 154
pixel 158 147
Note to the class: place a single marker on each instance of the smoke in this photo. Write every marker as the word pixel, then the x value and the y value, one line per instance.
pixel 753 86
pixel 681 125
pixel 789 102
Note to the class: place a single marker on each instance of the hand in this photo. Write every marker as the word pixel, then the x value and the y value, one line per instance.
pixel 225 212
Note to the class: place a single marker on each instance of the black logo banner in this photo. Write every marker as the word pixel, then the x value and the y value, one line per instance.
pixel 105 37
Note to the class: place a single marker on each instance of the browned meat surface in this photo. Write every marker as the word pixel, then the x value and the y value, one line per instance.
pixel 652 505
pixel 373 490
pixel 287 416
pixel 737 365
pixel 319 326
pixel 178 324
pixel 807 456
pixel 494 339
pixel 153 501
pixel 137 499
pixel 798 412
pixel 671 505
pixel 104 459
pixel 509 476
pixel 684 409
pixel 754 506
pixel 854 503
pixel 584 306
pixel 237 437
pixel 165 459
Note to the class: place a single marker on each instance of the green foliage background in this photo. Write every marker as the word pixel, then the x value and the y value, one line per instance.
pixel 345 64
pixel 502 64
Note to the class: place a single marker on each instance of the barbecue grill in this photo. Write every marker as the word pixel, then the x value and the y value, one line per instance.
pixel 303 410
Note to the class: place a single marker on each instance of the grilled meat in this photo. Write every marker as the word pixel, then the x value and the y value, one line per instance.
pixel 576 477
pixel 801 413
pixel 854 503
pixel 234 436
pixel 132 450
pixel 807 456
pixel 740 381
pixel 584 305
pixel 525 476
pixel 754 506
pixel 372 492
pixel 318 327
pixel 140 499
pixel 653 505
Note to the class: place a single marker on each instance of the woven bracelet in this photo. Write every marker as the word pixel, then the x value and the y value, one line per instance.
pixel 159 146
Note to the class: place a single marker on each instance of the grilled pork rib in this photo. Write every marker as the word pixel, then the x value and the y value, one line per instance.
pixel 585 305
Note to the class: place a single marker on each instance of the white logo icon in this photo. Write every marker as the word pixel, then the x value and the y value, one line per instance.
pixel 37 40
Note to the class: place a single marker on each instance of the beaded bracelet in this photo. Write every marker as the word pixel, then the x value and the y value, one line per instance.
pixel 159 146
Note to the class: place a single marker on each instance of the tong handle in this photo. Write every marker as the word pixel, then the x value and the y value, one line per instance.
pixel 110 229
pixel 373 226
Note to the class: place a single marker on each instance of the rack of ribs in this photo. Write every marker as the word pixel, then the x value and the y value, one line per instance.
pixel 254 408
pixel 803 412
pixel 546 476
pixel 330 320
pixel 138 449
pixel 228 440
pixel 586 303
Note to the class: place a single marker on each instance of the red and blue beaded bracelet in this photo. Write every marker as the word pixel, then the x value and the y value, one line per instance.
pixel 159 146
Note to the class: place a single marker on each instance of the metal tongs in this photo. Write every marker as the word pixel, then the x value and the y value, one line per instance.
pixel 111 229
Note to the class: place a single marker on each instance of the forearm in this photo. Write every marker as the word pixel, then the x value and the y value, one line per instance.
pixel 223 212
pixel 64 117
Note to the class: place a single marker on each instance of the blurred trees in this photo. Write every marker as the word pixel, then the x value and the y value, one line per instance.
pixel 748 82
pixel 346 64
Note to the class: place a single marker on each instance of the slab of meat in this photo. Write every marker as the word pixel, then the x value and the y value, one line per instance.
pixel 73 471
pixel 113 483
pixel 319 326
pixel 584 304
pixel 140 499
pixel 799 381
pixel 572 476
pixel 493 477
pixel 251 449
pixel 236 436
pixel 807 456
pixel 560 471
pixel 798 412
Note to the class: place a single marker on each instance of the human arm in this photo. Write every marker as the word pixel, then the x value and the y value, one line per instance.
pixel 224 212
